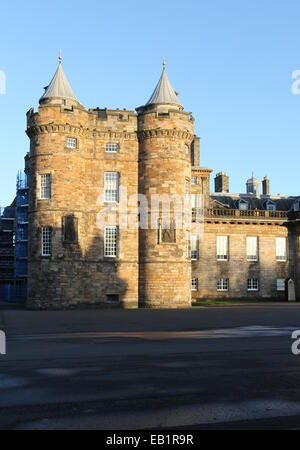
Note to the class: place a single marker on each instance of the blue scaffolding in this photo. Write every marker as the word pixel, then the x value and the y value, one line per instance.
pixel 21 238
pixel 7 252
pixel 14 245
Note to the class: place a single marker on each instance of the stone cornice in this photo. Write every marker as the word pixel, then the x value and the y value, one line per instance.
pixel 201 170
pixel 52 127
pixel 161 133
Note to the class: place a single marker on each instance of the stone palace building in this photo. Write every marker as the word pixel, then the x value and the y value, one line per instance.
pixel 244 246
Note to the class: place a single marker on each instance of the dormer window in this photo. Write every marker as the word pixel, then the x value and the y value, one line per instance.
pixel 71 143
pixel 243 205
pixel 112 148
pixel 271 206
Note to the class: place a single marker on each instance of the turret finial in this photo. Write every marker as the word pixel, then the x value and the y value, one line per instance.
pixel 60 57
pixel 164 63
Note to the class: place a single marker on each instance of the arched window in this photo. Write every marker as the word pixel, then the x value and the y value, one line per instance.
pixel 243 205
pixel 271 206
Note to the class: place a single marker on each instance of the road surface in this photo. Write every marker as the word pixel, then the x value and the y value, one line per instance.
pixel 193 369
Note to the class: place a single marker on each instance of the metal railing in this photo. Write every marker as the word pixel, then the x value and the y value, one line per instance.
pixel 236 213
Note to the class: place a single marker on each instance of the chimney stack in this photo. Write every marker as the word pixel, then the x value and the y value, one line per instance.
pixel 266 186
pixel 222 182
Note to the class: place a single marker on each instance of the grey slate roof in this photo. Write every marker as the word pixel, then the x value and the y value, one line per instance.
pixel 164 93
pixel 59 86
pixel 231 201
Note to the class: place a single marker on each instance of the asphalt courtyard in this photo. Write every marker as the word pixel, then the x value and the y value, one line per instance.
pixel 221 368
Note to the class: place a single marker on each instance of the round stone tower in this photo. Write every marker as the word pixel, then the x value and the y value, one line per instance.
pixel 166 134
pixel 77 156
pixel 55 151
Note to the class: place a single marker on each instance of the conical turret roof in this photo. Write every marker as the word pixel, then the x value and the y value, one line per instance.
pixel 164 92
pixel 59 86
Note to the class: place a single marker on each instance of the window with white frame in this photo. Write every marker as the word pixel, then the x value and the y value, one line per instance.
pixel 111 242
pixel 222 248
pixel 281 285
pixel 271 206
pixel 111 187
pixel 281 253
pixel 45 181
pixel 253 284
pixel 252 248
pixel 187 245
pixel 194 180
pixel 223 285
pixel 111 148
pixel 243 205
pixel 46 241
pixel 71 143
pixel 195 284
pixel 194 247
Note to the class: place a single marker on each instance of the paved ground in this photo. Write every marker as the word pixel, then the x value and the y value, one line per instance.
pixel 202 368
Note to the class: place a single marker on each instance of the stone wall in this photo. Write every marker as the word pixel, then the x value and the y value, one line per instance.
pixel 294 245
pixel 237 269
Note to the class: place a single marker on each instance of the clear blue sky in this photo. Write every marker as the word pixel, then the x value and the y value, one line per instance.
pixel 231 61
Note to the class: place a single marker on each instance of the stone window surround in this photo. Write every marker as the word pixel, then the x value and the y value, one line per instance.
pixel 222 256
pixel 112 148
pixel 194 247
pixel 46 242
pixel 223 285
pixel 111 238
pixel 281 285
pixel 251 257
pixel 195 284
pixel 69 146
pixel 281 258
pixel 253 285
pixel 243 205
pixel 42 186
pixel 270 206
pixel 110 192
